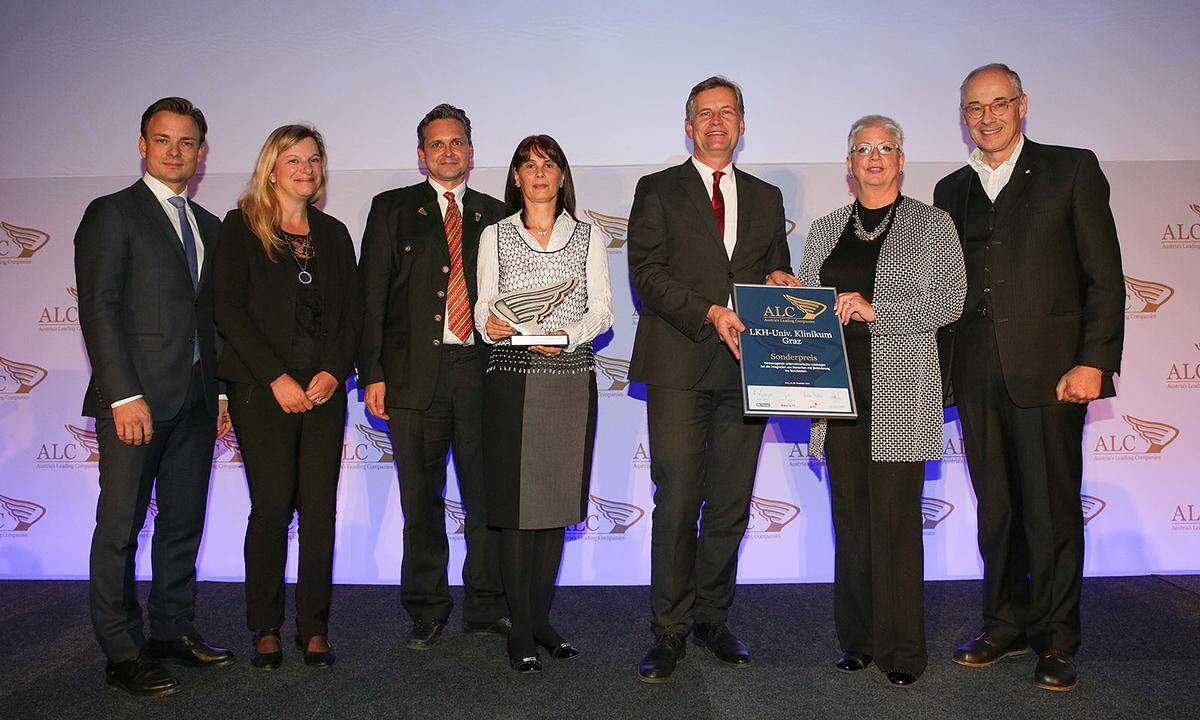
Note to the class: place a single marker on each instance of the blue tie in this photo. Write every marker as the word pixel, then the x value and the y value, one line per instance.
pixel 189 240
pixel 189 252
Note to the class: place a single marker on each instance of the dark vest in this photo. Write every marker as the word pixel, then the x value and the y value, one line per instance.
pixel 978 224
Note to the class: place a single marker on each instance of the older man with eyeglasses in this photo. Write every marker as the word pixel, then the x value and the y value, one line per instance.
pixel 1040 337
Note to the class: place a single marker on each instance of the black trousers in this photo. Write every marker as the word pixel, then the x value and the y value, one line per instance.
pixel 1026 468
pixel 420 441
pixel 292 462
pixel 879 561
pixel 703 456
pixel 175 465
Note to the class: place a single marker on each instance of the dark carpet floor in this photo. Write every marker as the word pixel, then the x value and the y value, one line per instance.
pixel 1141 659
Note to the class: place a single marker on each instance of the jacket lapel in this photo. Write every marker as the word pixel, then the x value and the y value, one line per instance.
pixel 746 205
pixel 153 210
pixel 431 220
pixel 208 238
pixel 472 209
pixel 692 186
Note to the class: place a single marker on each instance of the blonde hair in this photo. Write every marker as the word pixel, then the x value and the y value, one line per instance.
pixel 258 203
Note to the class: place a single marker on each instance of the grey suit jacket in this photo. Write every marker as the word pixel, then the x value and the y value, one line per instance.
pixel 920 284
pixel 679 267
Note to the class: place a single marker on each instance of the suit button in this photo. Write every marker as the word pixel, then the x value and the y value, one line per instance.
pixel 445 269
pixel 437 318
pixel 437 342
pixel 441 293
pixel 191 339
pixel 730 276
pixel 987 290
pixel 408 248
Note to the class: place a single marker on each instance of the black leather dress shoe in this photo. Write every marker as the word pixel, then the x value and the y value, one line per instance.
pixel 143 676
pixel 190 649
pixel 318 658
pixel 853 662
pixel 499 626
pixel 660 661
pixel 561 651
pixel 723 644
pixel 1055 671
pixel 266 660
pixel 899 678
pixel 425 634
pixel 987 650
pixel 526 665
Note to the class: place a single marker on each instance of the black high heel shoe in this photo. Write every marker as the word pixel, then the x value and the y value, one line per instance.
pixel 562 651
pixel 269 660
pixel 315 659
pixel 526 665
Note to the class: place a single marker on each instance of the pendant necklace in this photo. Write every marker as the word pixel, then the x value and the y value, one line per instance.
pixel 304 276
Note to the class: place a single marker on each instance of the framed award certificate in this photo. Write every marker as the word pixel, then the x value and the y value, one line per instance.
pixel 793 353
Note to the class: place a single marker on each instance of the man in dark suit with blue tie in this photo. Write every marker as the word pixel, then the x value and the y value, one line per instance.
pixel 146 311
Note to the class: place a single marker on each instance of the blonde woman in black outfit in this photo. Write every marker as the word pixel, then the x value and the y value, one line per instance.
pixel 288 307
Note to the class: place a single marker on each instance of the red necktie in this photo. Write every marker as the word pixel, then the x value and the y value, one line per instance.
pixel 718 202
pixel 458 307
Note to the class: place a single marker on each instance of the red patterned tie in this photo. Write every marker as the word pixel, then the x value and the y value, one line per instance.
pixel 718 201
pixel 458 307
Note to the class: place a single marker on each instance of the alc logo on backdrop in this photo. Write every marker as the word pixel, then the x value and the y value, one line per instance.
pixel 18 378
pixel 1186 518
pixel 82 449
pixel 61 318
pixel 1145 441
pixel 768 516
pixel 1183 235
pixel 17 516
pixel 20 243
pixel 374 448
pixel 226 450
pixel 1143 298
pixel 1092 506
pixel 1184 375
pixel 616 371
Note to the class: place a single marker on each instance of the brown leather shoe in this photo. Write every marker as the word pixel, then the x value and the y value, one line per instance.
pixel 986 650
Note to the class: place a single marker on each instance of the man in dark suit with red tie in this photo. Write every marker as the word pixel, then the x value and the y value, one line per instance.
pixel 1040 336
pixel 421 364
pixel 142 263
pixel 694 231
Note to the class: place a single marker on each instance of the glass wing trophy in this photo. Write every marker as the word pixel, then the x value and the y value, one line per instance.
pixel 793 353
pixel 526 309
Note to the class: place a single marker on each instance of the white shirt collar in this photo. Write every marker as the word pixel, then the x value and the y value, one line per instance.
pixel 160 189
pixel 975 159
pixel 439 190
pixel 706 172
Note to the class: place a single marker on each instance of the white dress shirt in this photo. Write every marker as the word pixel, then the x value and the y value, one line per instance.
pixel 164 195
pixel 994 179
pixel 728 193
pixel 448 336
pixel 598 316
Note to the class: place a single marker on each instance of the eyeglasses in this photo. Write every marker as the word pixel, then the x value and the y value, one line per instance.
pixel 999 106
pixel 885 149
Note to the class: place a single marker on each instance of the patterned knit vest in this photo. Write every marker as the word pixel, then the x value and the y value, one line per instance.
pixel 523 267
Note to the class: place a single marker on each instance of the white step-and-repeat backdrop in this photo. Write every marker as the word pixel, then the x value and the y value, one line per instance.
pixel 1140 499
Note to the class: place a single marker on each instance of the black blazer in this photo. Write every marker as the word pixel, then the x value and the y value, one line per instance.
pixel 679 268
pixel 1057 294
pixel 405 270
pixel 256 301
pixel 138 311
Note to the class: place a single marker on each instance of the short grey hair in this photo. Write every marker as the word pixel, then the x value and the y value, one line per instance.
pixel 1013 77
pixel 445 111
pixel 716 81
pixel 874 121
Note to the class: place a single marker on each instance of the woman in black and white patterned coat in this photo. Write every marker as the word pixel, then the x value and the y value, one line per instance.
pixel 539 402
pixel 898 268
